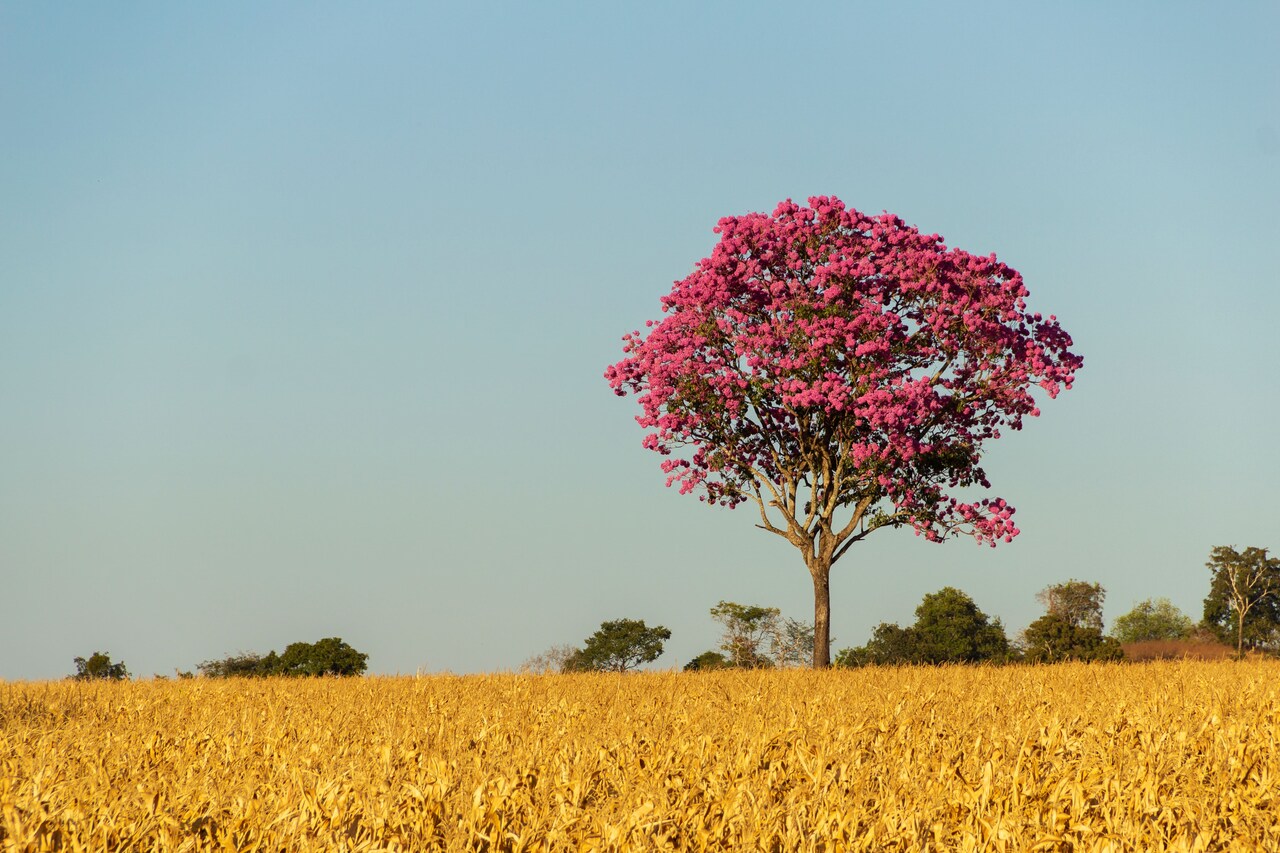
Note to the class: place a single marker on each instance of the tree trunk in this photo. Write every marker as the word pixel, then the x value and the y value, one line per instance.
pixel 821 572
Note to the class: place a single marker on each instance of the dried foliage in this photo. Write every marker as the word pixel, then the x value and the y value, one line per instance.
pixel 1200 649
pixel 1171 755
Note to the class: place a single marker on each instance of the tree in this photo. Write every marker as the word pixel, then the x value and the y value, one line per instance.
pixel 330 656
pixel 1077 602
pixel 949 628
pixel 618 646
pixel 890 645
pixel 1071 628
pixel 1053 638
pixel 842 373
pixel 1244 597
pixel 1153 619
pixel 791 643
pixel 746 630
pixel 554 659
pixel 99 666
pixel 244 664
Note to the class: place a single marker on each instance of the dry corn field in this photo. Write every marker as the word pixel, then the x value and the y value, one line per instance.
pixel 1173 755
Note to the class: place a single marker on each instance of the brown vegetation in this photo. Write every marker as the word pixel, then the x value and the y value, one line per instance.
pixel 1193 649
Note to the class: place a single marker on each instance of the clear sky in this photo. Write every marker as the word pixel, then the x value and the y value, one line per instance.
pixel 304 308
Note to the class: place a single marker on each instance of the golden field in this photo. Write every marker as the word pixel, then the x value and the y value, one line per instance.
pixel 1169 755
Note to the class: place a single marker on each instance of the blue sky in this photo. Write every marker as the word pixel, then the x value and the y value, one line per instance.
pixel 304 308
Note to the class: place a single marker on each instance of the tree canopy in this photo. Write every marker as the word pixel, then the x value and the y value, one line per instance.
pixel 747 629
pixel 1071 628
pixel 618 646
pixel 708 660
pixel 99 666
pixel 842 373
pixel 1243 605
pixel 949 628
pixel 330 656
pixel 755 637
pixel 1076 602
pixel 1153 619
pixel 1053 639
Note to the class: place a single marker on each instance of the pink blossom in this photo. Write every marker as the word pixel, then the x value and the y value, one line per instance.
pixel 842 372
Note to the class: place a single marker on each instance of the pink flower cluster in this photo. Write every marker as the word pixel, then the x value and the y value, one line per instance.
pixel 853 349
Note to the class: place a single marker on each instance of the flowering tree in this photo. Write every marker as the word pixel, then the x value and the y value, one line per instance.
pixel 841 372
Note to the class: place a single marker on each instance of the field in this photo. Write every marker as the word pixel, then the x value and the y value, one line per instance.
pixel 1180 755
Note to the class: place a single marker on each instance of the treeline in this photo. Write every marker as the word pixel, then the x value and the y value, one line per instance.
pixel 1242 610
pixel 949 628
pixel 330 656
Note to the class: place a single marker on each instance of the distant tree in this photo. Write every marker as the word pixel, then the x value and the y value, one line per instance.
pixel 244 665
pixel 1071 628
pixel 618 646
pixel 791 643
pixel 747 628
pixel 1077 602
pixel 1153 619
pixel 949 628
pixel 1243 605
pixel 708 660
pixel 98 666
pixel 330 656
pixel 554 659
pixel 890 645
pixel 1053 639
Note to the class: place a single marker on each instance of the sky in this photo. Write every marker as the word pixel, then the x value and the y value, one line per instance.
pixel 305 308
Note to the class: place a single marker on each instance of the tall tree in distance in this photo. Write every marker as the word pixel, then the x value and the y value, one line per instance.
pixel 949 628
pixel 1153 619
pixel 1071 628
pixel 841 372
pixel 1244 597
pixel 1078 603
pixel 747 628
pixel 791 643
